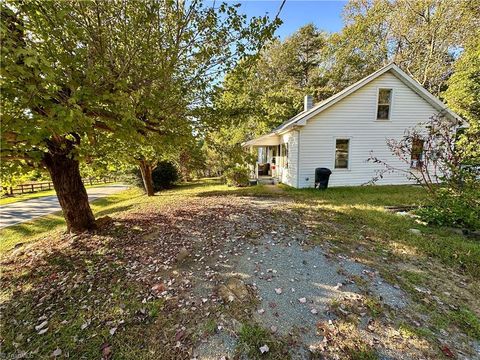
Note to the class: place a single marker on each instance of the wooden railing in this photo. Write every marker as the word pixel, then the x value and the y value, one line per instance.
pixel 48 185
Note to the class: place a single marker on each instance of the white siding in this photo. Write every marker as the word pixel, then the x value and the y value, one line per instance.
pixel 354 117
pixel 289 175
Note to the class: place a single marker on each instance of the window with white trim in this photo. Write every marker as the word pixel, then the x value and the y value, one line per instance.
pixel 416 159
pixel 384 104
pixel 342 148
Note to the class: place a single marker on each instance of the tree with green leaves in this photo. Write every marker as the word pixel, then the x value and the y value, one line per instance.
pixel 463 93
pixel 192 161
pixel 422 37
pixel 463 96
pixel 260 93
pixel 73 72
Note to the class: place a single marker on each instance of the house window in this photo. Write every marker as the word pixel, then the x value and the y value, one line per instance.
pixel 341 153
pixel 384 104
pixel 416 160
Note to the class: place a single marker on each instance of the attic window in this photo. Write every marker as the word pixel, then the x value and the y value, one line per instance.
pixel 384 104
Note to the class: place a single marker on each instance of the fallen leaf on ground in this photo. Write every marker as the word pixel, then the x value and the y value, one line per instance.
pixel 179 335
pixel 159 287
pixel 323 329
pixel 106 351
pixel 57 352
pixel 42 325
pixel 446 351
pixel 264 349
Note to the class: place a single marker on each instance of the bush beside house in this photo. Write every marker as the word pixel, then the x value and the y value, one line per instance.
pixel 237 176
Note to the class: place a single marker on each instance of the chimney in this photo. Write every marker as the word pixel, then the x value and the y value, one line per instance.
pixel 308 102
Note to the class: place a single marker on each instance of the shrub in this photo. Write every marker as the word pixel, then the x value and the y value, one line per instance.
pixel 237 176
pixel 453 209
pixel 438 156
pixel 164 175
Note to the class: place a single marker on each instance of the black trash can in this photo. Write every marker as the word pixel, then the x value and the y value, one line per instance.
pixel 321 177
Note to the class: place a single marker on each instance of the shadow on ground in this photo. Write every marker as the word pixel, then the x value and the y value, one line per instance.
pixel 148 284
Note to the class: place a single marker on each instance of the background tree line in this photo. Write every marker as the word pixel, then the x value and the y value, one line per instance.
pixel 436 42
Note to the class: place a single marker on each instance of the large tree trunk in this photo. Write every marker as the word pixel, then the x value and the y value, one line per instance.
pixel 146 170
pixel 65 173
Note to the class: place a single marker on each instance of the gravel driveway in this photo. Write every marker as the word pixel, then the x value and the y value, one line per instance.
pixel 22 211
pixel 295 283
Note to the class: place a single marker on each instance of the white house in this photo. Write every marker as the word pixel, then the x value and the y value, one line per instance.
pixel 341 132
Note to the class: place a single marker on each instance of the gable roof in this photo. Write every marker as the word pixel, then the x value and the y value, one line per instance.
pixel 301 118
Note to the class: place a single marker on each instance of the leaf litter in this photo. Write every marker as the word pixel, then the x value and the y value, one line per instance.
pixel 159 271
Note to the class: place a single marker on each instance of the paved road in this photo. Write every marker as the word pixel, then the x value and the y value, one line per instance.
pixel 15 213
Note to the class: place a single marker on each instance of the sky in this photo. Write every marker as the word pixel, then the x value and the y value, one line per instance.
pixel 327 15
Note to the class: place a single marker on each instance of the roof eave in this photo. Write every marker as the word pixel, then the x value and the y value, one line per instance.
pixel 270 139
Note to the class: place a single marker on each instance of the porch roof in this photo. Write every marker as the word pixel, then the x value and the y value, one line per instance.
pixel 271 139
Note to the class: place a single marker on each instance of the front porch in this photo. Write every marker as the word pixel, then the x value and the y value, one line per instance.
pixel 271 159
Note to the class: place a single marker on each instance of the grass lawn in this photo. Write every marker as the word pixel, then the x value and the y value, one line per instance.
pixel 95 290
pixel 360 217
pixel 22 197
pixel 132 199
pixel 54 224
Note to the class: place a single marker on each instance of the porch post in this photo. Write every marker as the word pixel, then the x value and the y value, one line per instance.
pixel 254 168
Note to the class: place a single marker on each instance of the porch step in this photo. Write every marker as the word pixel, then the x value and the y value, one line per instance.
pixel 267 181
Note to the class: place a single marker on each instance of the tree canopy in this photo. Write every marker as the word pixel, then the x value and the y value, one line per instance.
pixel 75 72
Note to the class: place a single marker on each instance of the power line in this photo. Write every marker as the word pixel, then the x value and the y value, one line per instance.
pixel 280 9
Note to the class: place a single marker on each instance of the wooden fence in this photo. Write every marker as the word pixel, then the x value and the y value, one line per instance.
pixel 48 185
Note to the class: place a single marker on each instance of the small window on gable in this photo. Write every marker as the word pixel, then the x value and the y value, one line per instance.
pixel 416 160
pixel 341 153
pixel 384 104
